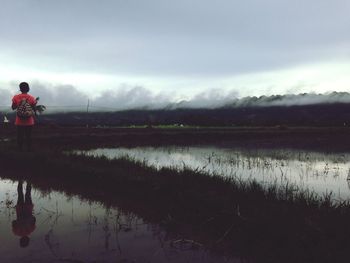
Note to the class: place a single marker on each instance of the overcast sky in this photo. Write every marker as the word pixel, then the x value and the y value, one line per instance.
pixel 173 50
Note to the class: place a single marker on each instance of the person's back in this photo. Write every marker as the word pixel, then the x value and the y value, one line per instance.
pixel 24 104
pixel 17 100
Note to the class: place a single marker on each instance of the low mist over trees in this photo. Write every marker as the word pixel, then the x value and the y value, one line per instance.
pixel 280 110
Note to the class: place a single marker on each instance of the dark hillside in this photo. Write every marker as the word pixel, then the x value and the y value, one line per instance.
pixel 317 115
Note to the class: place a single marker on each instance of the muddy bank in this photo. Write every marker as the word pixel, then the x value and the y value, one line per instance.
pixel 321 139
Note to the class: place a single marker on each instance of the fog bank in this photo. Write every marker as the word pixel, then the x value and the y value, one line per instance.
pixel 67 98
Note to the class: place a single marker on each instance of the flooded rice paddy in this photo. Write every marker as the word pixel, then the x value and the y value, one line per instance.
pixel 322 173
pixel 41 226
pixel 37 226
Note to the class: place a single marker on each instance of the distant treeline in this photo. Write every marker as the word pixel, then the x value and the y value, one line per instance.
pixel 336 114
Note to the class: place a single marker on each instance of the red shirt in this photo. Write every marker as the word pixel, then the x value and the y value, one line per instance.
pixel 16 101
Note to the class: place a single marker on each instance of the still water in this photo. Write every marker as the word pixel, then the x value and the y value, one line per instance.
pixel 37 226
pixel 322 173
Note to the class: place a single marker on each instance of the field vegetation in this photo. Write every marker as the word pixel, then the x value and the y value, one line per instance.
pixel 229 216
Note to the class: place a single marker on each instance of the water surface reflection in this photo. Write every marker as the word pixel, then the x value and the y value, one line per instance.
pixel 320 172
pixel 38 226
pixel 24 224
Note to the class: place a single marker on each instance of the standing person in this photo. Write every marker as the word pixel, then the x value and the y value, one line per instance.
pixel 24 104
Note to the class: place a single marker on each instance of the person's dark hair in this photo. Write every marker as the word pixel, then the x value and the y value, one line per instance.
pixel 24 87
pixel 24 241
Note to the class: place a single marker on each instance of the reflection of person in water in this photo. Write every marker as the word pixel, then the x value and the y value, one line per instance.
pixel 24 225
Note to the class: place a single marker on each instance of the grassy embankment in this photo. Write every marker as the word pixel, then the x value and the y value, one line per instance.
pixel 266 225
pixel 304 138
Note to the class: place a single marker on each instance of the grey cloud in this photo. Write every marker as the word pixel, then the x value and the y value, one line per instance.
pixel 291 100
pixel 5 97
pixel 160 37
pixel 58 96
pixel 126 97
pixel 69 98
pixel 212 98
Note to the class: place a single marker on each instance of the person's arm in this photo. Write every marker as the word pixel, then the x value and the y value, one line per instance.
pixel 33 102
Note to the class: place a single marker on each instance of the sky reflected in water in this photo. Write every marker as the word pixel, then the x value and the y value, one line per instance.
pixel 319 172
pixel 58 228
